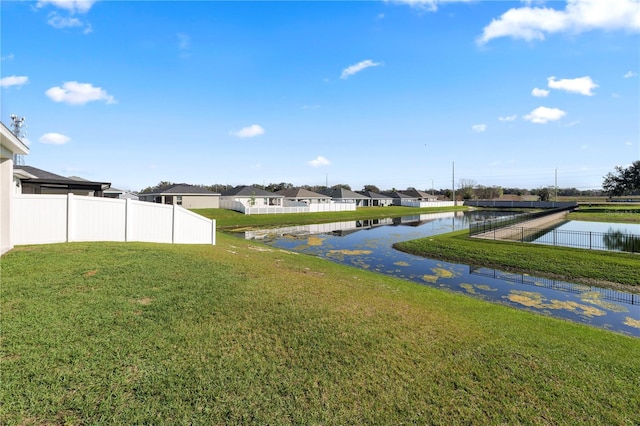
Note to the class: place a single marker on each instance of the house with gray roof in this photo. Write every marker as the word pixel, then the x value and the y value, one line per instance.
pixel 400 197
pixel 182 194
pixel 420 195
pixel 250 196
pixel 303 196
pixel 375 199
pixel 343 195
pixel 31 180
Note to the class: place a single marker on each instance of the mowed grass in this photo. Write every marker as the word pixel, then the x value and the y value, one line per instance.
pixel 239 333
pixel 233 221
pixel 617 213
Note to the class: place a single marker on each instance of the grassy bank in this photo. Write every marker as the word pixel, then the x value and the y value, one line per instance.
pixel 239 333
pixel 612 269
pixel 607 213
pixel 232 220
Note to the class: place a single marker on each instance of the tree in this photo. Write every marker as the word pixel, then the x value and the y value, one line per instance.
pixel 544 194
pixel 625 181
pixel 161 185
pixel 466 188
pixel 275 187
pixel 371 188
pixel 341 185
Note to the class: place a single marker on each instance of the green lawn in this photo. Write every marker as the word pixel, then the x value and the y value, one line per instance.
pixel 232 220
pixel 612 212
pixel 239 333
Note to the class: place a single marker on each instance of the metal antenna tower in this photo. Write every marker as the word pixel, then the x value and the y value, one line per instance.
pixel 18 128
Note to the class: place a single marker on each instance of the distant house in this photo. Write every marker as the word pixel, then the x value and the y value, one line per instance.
pixel 181 194
pixel 342 195
pixel 303 196
pixel 400 197
pixel 10 146
pixel 250 196
pixel 31 180
pixel 374 199
pixel 420 195
pixel 119 193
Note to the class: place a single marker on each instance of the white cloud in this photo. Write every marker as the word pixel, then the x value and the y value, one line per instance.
pixel 310 106
pixel 248 132
pixel 540 93
pixel 581 85
pixel 72 6
pixel 508 118
pixel 542 115
pixel 479 128
pixel 320 161
pixel 428 5
pixel 630 74
pixel 59 22
pixel 54 139
pixel 75 93
pixel 9 57
pixel 353 69
pixel 13 80
pixel 579 16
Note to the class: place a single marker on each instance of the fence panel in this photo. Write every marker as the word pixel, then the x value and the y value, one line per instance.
pixel 150 222
pixel 37 219
pixel 97 219
pixel 45 219
pixel 191 228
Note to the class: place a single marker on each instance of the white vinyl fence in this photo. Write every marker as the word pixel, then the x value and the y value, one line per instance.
pixel 44 219
pixel 424 204
pixel 311 208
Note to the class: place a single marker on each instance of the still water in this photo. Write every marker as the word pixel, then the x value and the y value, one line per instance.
pixel 593 235
pixel 368 245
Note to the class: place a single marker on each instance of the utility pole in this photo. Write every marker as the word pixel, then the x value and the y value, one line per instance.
pixel 453 182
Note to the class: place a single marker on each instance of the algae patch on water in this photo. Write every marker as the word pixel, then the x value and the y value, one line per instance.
pixel 437 274
pixel 537 301
pixel 595 298
pixel 350 252
pixel 471 288
pixel 401 263
pixel 632 322
pixel 314 241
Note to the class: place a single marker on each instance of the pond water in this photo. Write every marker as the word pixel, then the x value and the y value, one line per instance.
pixel 592 235
pixel 368 245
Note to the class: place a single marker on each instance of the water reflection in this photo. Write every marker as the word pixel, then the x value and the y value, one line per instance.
pixel 368 245
pixel 616 240
pixel 589 235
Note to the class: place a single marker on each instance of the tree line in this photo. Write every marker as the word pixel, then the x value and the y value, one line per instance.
pixel 623 181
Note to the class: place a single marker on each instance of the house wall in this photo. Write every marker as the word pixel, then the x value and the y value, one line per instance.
pixel 200 201
pixel 6 194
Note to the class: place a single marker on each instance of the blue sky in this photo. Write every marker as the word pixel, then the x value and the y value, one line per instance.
pixel 389 93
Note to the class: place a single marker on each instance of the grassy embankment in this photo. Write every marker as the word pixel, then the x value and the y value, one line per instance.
pixel 629 213
pixel 611 269
pixel 238 333
pixel 229 220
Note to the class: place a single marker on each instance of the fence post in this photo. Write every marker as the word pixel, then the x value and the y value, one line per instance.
pixel 70 217
pixel 589 240
pixel 213 232
pixel 173 224
pixel 126 220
